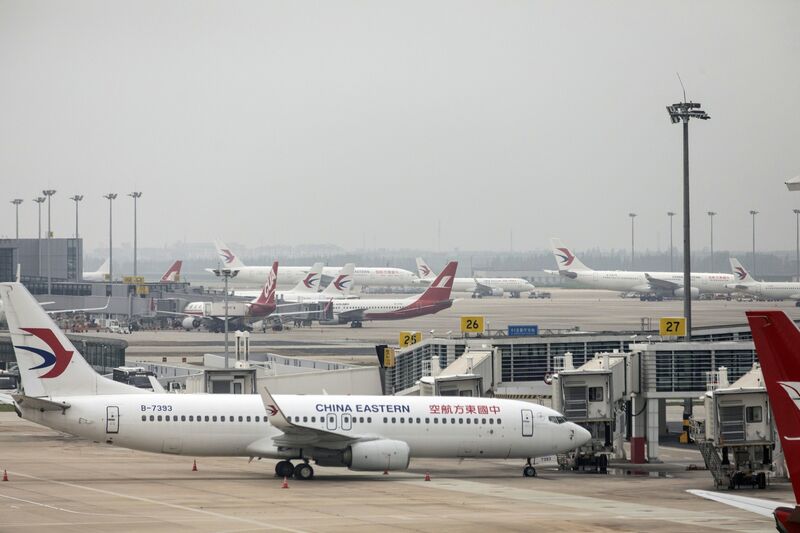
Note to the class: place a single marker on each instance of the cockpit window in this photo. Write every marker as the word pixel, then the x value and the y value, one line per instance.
pixel 557 419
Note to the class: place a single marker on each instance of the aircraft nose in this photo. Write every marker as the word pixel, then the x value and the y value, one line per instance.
pixel 582 435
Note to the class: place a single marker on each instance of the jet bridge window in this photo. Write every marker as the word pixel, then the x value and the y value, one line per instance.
pixel 754 414
pixel 595 394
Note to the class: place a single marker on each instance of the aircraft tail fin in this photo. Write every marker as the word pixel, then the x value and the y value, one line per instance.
pixel 173 273
pixel 226 255
pixel 49 364
pixel 424 271
pixel 267 296
pixel 739 272
pixel 777 342
pixel 310 283
pixel 565 259
pixel 342 284
pixel 442 286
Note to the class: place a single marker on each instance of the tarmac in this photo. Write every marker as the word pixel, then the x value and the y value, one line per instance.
pixel 59 483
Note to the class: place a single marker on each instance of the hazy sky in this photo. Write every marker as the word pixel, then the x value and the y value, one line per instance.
pixel 304 122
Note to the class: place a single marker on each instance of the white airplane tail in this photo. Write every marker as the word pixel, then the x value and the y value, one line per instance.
pixel 740 273
pixel 565 259
pixel 103 270
pixel 424 271
pixel 49 364
pixel 342 284
pixel 228 258
pixel 310 283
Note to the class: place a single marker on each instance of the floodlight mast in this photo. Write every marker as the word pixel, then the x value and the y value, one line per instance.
pixel 683 112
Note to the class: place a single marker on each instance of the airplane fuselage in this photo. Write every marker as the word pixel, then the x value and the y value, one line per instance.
pixel 362 276
pixel 629 281
pixel 775 290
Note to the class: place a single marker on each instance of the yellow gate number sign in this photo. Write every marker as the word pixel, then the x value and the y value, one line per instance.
pixel 672 327
pixel 407 338
pixel 388 358
pixel 472 324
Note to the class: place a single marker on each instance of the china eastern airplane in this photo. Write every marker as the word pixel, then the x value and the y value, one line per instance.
pixel 435 298
pixel 371 433
pixel 777 343
pixel 307 289
pixel 478 286
pixel 774 290
pixel 362 276
pixel 649 284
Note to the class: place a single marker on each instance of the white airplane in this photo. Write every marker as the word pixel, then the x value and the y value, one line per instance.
pixel 338 289
pixel 478 287
pixel 101 274
pixel 308 286
pixel 371 433
pixel 650 285
pixel 773 290
pixel 435 298
pixel 362 276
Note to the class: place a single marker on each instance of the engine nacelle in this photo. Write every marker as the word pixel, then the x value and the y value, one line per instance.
pixel 373 456
pixel 335 321
pixel 189 323
pixel 497 291
pixel 695 292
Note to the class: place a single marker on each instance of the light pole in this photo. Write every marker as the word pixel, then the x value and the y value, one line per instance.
pixel 16 202
pixel 110 197
pixel 39 200
pixel 797 239
pixel 683 112
pixel 711 215
pixel 753 213
pixel 670 214
pixel 77 198
pixel 226 273
pixel 633 249
pixel 48 193
pixel 135 196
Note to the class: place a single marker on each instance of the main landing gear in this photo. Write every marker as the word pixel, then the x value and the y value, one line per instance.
pixel 356 324
pixel 529 470
pixel 302 471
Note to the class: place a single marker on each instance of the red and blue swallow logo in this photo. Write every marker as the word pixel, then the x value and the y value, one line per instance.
pixel 741 273
pixel 566 256
pixel 311 280
pixel 227 255
pixel 342 282
pixel 58 358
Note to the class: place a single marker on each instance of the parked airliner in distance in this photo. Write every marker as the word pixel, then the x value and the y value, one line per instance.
pixel 435 298
pixel 362 276
pixel 478 287
pixel 173 273
pixel 777 342
pixel 772 290
pixel 372 433
pixel 649 285
pixel 101 274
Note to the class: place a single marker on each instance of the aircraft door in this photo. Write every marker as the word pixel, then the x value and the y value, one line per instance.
pixel 527 423
pixel 112 419
pixel 347 422
pixel 330 421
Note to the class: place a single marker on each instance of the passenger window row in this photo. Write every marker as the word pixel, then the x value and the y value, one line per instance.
pixel 202 418
pixel 355 419
pixel 461 420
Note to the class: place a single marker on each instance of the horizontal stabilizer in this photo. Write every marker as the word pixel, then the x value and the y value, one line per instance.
pixel 39 403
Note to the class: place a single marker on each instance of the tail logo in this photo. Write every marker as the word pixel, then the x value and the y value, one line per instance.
pixel 444 282
pixel 273 410
pixel 227 255
pixel 58 359
pixel 565 256
pixel 424 270
pixel 342 282
pixel 741 273
pixel 311 280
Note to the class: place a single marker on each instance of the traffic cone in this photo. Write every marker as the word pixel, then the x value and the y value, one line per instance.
pixel 5 475
pixel 427 476
pixel 194 466
pixel 285 484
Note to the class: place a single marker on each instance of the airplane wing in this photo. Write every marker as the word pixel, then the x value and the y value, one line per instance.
pixel 482 288
pixel 754 505
pixel 661 284
pixel 59 311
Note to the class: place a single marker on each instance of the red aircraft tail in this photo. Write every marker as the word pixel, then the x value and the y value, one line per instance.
pixel 441 287
pixel 267 296
pixel 173 273
pixel 777 342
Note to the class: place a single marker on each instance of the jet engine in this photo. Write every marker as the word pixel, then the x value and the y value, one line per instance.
pixel 695 292
pixel 189 323
pixel 497 291
pixel 373 455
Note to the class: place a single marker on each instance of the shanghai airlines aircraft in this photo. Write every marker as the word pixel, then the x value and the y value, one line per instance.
pixel 435 298
pixel 655 284
pixel 101 274
pixel 173 273
pixel 362 276
pixel 777 342
pixel 373 433
pixel 478 286
pixel 773 290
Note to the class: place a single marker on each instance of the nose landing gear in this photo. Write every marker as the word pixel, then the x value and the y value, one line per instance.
pixel 529 470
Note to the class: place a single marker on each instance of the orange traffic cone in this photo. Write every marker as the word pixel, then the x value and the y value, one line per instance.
pixel 285 484
pixel 194 466
pixel 427 476
pixel 5 475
